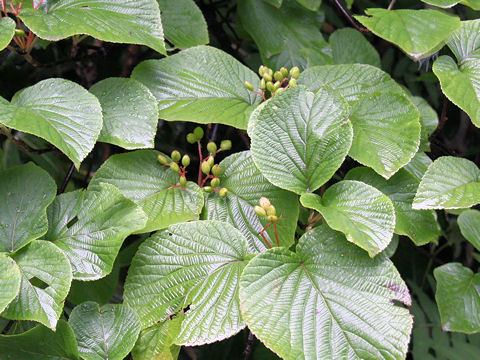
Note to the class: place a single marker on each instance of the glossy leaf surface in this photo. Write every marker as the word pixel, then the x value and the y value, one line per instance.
pixel 10 279
pixel 469 223
pixel 349 46
pixel 7 30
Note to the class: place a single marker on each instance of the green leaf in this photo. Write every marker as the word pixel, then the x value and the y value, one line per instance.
pixel 458 298
pixel 419 33
pixel 107 332
pixel 10 279
pixel 386 132
pixel 353 81
pixel 41 343
pixel 469 223
pixel 313 5
pixel 418 165
pixel 143 180
pixel 474 4
pixel 428 121
pixel 100 291
pixel 157 341
pixel 276 3
pixel 7 31
pixel 246 184
pixel 23 216
pixel 419 225
pixel 184 23
pixel 349 46
pixel 46 278
pixel 328 300
pixel 449 183
pixel 90 227
pixel 131 21
pixel 130 113
pixel 195 265
pixel 59 111
pixel 465 40
pixel 299 139
pixel 364 214
pixel 201 84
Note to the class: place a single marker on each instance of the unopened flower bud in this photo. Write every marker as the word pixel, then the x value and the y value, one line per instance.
pixel 262 69
pixel 208 189
pixel 295 72
pixel 223 192
pixel 272 218
pixel 186 160
pixel 264 202
pixel 277 85
pixel 292 82
pixel 191 138
pixel 217 170
pixel 174 167
pixel 19 32
pixel 284 71
pixel 211 161
pixel 248 85
pixel 176 156
pixel 183 181
pixel 270 86
pixel 212 147
pixel 198 132
pixel 206 168
pixel 215 182
pixel 278 91
pixel 263 84
pixel 278 76
pixel 225 145
pixel 267 77
pixel 271 210
pixel 162 159
pixel 260 211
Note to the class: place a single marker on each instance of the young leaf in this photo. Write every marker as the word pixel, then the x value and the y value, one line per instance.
pixel 386 132
pixel 458 298
pixel 157 341
pixel 131 21
pixel 10 278
pixel 201 84
pixel 184 23
pixel 328 300
pixel 127 104
pixel 449 183
pixel 194 266
pixel 90 227
pixel 419 33
pixel 41 343
pixel 23 216
pixel 59 111
pixel 246 184
pixel 364 214
pixel 7 30
pixel 419 225
pixel 469 223
pixel 107 332
pixel 143 180
pixel 46 278
pixel 349 46
pixel 299 139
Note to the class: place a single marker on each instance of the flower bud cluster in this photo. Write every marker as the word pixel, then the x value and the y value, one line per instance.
pixel 272 83
pixel 266 210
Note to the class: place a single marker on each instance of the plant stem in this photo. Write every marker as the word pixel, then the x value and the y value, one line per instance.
pixel 248 345
pixel 67 178
pixel 200 164
pixel 349 18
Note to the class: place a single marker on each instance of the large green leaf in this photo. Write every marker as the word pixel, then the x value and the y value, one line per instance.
pixel 195 265
pixel 469 223
pixel 386 132
pixel 7 30
pixel 428 121
pixel 130 113
pixel 41 343
pixel 300 138
pixel 59 111
pixel 449 183
pixel 419 33
pixel 466 40
pixel 353 81
pixel 474 4
pixel 281 33
pixel 107 332
pixel 364 214
pixel 90 227
pixel 26 191
pixel 201 84
pixel 46 278
pixel 418 166
pixel 157 341
pixel 184 23
pixel 143 180
pixel 130 21
pixel 246 184
pixel 458 298
pixel 349 46
pixel 328 300
pixel 100 291
pixel 419 225
pixel 10 279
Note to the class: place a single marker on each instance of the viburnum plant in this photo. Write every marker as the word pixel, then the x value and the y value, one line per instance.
pixel 316 209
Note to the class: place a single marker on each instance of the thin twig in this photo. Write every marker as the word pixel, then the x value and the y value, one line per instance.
pixel 349 18
pixel 67 178
pixel 390 6
pixel 248 345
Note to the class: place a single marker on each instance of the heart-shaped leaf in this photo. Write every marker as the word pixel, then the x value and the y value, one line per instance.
pixel 59 111
pixel 246 184
pixel 469 223
pixel 143 180
pixel 328 300
pixel 10 279
pixel 299 139
pixel 419 33
pixel 458 298
pixel 449 183
pixel 201 84
pixel 127 104
pixel 7 30
pixel 364 214
pixel 349 46
pixel 107 332
pixel 46 278
pixel 195 265
pixel 417 167
pixel 41 343
pixel 419 225
pixel 23 216
pixel 131 21
pixel 90 226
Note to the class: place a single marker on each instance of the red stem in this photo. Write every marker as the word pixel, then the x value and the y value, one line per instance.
pixel 205 180
pixel 261 94
pixel 200 164
pixel 265 239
